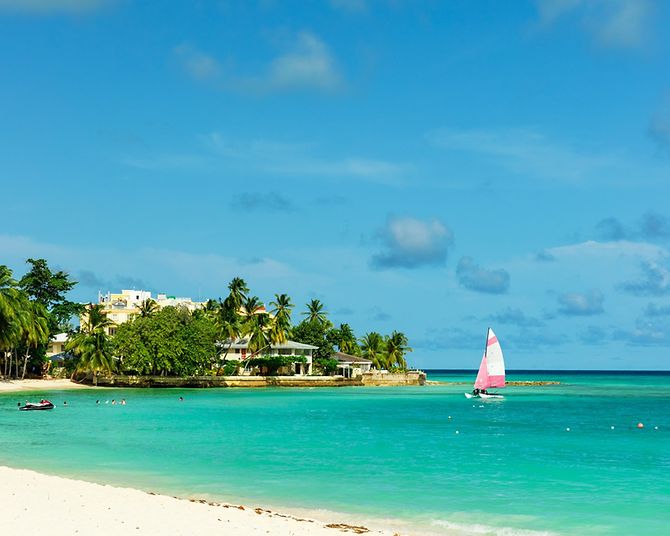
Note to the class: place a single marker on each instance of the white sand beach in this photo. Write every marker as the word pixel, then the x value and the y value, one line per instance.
pixel 39 385
pixel 34 503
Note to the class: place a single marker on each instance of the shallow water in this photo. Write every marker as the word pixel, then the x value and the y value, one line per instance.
pixel 423 454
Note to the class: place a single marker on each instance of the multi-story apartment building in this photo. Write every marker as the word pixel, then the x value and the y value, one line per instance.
pixel 121 307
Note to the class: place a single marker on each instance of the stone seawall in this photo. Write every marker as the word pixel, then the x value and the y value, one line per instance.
pixel 413 377
pixel 368 378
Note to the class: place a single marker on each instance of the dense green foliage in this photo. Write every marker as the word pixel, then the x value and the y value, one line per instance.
pixel 31 310
pixel 172 340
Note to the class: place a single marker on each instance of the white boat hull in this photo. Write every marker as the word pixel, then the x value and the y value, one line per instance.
pixel 483 396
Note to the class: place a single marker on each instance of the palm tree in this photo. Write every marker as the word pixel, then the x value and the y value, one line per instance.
pixel 372 348
pixel 34 329
pixel 396 348
pixel 252 306
pixel 10 321
pixel 229 329
pixel 148 308
pixel 256 327
pixel 281 323
pixel 91 344
pixel 346 340
pixel 238 294
pixel 315 312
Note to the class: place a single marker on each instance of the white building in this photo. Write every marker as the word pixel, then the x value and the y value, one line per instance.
pixel 121 307
pixel 239 350
pixel 351 366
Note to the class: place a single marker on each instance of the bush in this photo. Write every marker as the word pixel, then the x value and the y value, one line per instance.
pixel 231 367
pixel 327 365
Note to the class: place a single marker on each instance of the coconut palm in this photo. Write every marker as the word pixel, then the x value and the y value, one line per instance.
pixel 148 308
pixel 281 321
pixel 252 306
pixel 34 328
pixel 256 327
pixel 238 294
pixel 91 343
pixel 229 329
pixel 346 340
pixel 10 320
pixel 372 348
pixel 396 348
pixel 315 312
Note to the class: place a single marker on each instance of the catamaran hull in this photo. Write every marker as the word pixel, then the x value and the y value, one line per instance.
pixel 482 396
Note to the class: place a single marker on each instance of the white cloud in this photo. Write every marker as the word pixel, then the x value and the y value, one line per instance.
pixel 301 159
pixel 196 63
pixel 581 304
pixel 306 64
pixel 526 151
pixel 48 7
pixel 607 251
pixel 612 23
pixel 474 277
pixel 412 243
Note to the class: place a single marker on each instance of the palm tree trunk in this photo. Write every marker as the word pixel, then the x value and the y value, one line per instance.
pixel 25 364
pixel 16 364
pixel 95 378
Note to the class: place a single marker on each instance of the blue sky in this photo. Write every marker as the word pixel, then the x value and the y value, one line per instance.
pixel 432 167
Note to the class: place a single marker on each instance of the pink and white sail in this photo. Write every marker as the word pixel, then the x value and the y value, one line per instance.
pixel 492 369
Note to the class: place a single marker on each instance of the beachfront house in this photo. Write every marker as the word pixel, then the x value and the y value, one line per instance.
pixel 351 366
pixel 239 350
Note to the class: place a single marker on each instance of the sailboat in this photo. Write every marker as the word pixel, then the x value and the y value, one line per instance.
pixel 491 371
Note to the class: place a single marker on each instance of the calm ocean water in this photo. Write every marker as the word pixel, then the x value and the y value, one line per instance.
pixel 425 455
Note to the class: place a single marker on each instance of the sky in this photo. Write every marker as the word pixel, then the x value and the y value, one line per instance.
pixel 433 167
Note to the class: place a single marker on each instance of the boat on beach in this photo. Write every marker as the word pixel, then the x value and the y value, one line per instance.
pixel 491 370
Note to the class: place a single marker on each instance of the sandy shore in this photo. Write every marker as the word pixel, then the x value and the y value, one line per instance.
pixel 33 503
pixel 39 385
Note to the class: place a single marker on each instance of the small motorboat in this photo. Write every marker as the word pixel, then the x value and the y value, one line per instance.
pixel 42 404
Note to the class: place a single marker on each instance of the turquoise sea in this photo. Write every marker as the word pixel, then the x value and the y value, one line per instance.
pixel 426 456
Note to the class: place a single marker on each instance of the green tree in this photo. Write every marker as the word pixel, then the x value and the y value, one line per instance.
pixel 316 334
pixel 10 320
pixel 237 295
pixel 373 348
pixel 395 349
pixel 345 339
pixel 91 344
pixel 256 327
pixel 34 329
pixel 49 289
pixel 148 307
pixel 281 321
pixel 315 312
pixel 171 342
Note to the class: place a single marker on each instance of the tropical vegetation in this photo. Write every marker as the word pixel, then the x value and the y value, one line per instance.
pixel 171 341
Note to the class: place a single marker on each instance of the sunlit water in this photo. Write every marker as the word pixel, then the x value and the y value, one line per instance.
pixel 426 455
